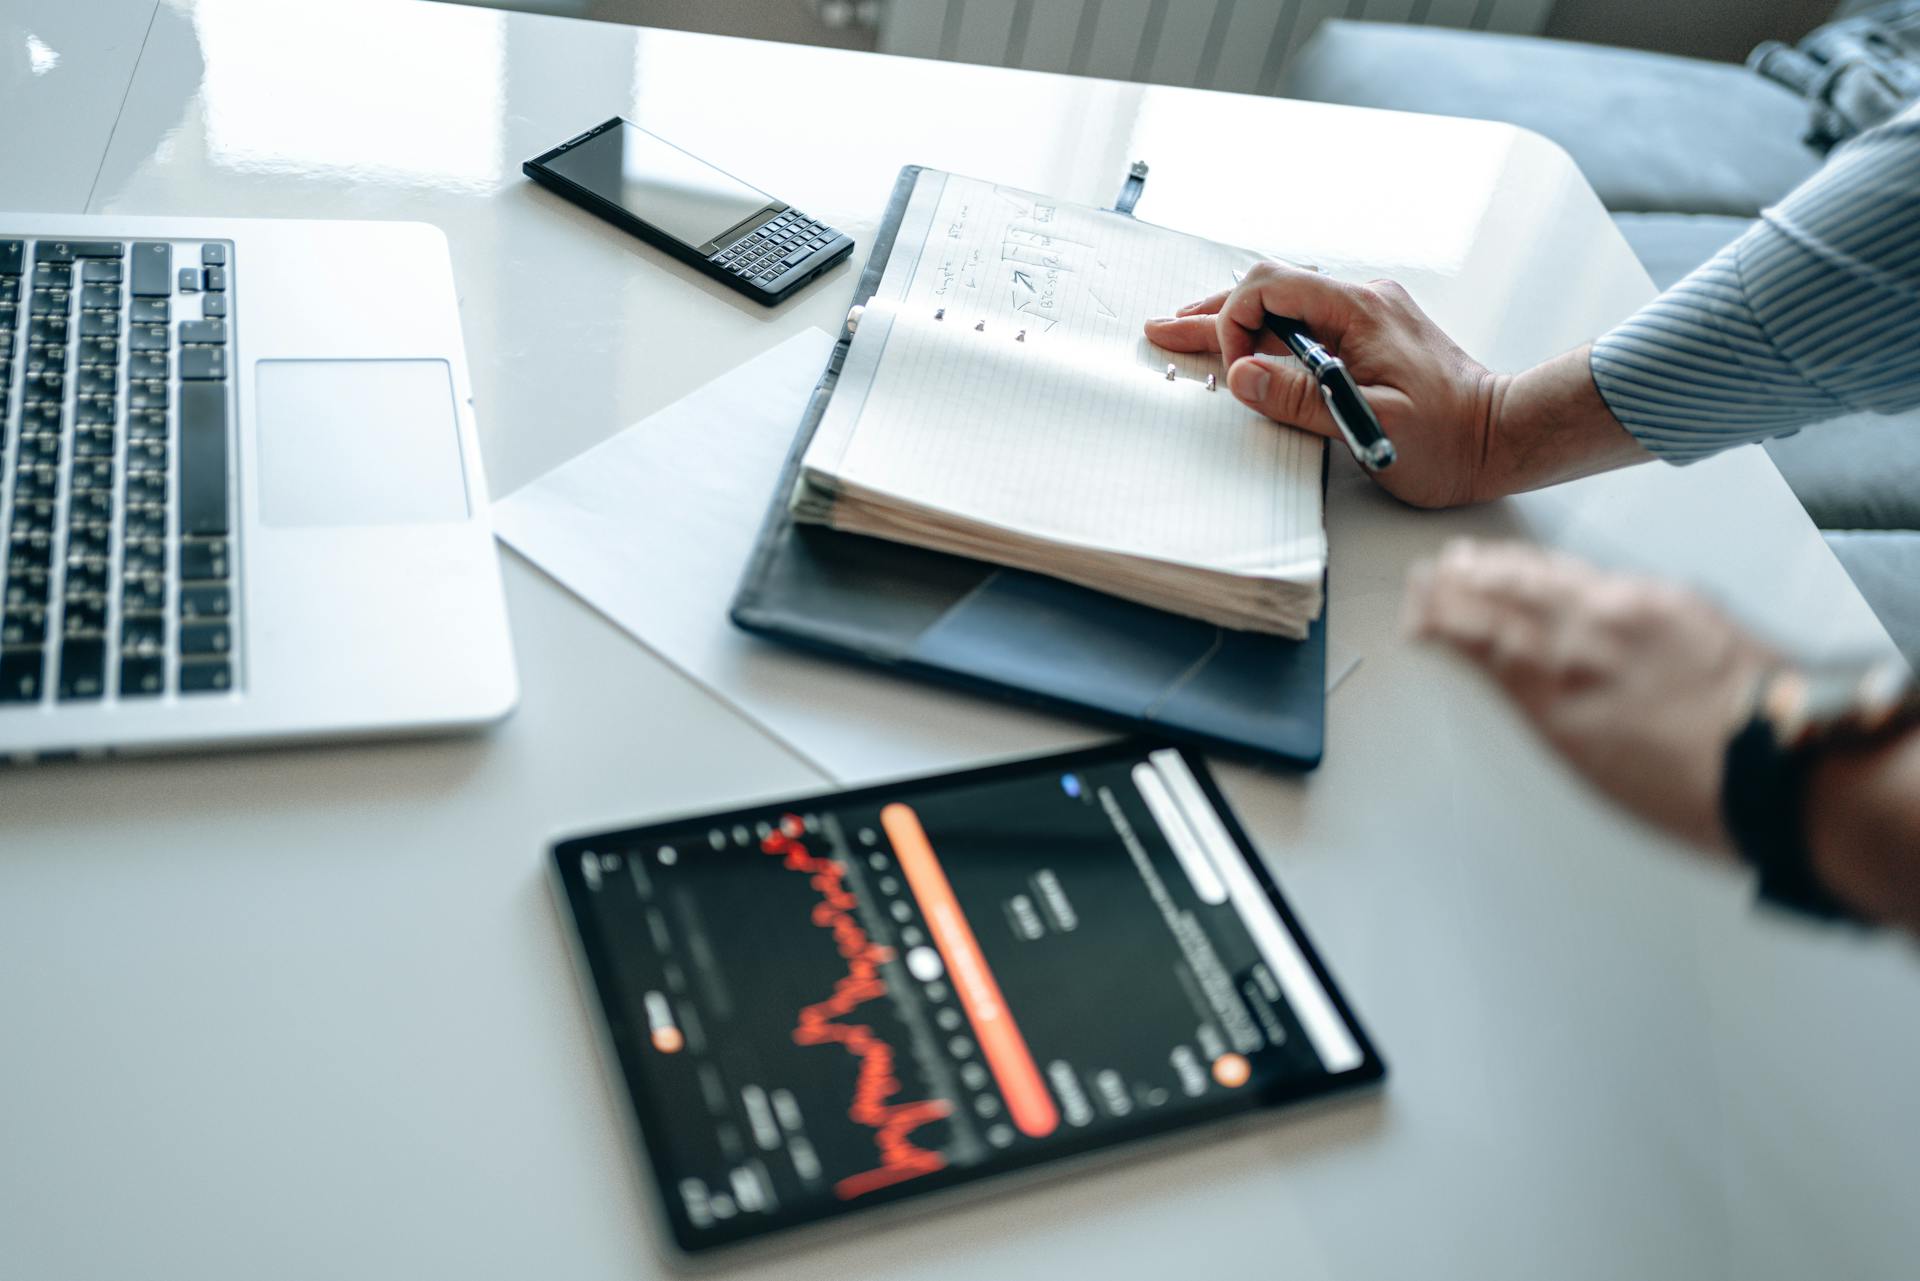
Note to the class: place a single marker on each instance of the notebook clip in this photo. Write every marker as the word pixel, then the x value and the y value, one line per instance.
pixel 1131 190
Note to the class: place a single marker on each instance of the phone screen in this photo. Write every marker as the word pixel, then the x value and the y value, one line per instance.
pixel 852 1000
pixel 660 184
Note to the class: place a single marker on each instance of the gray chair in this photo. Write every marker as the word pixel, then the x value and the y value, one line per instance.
pixel 1684 153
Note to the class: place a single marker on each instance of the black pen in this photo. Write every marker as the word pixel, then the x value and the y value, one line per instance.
pixel 1349 408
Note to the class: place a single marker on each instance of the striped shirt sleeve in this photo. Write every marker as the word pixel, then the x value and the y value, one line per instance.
pixel 1814 313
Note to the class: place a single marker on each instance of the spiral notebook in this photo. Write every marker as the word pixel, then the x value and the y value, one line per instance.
pixel 954 616
pixel 1000 401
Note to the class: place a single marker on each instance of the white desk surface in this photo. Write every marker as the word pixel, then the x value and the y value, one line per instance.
pixel 307 1014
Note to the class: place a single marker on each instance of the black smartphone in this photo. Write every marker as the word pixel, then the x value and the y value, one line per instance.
pixel 677 202
pixel 839 1002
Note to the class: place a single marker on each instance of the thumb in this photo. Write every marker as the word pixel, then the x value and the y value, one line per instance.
pixel 1281 388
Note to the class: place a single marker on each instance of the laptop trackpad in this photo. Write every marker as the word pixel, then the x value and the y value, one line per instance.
pixel 358 442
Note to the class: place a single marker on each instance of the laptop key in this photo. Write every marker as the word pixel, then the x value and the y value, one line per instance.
pixel 95 473
pixel 48 331
pixel 203 331
pixel 88 578
pixel 24 626
pixel 203 560
pixel 88 542
pixel 84 615
pixel 83 668
pixel 144 635
pixel 206 677
pixel 91 506
pixel 35 483
pixel 147 490
pixel 146 595
pixel 142 676
pixel 150 311
pixel 144 559
pixel 93 445
pixel 148 455
pixel 205 602
pixel 213 305
pixel 203 458
pixel 21 673
pixel 97 271
pixel 200 364
pixel 100 411
pixel 205 638
pixel 152 270
pixel 12 256
pixel 27 588
pixel 37 514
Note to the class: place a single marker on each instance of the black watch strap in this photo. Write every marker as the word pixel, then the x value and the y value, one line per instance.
pixel 1763 799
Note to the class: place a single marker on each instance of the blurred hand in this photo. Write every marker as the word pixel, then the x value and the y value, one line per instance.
pixel 1640 685
pixel 1463 433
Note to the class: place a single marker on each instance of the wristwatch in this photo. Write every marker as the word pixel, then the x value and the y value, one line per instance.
pixel 1795 714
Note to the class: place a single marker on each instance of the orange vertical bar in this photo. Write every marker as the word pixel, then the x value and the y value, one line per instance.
pixel 1008 1058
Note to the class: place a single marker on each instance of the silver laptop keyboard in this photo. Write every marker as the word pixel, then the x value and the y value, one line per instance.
pixel 116 428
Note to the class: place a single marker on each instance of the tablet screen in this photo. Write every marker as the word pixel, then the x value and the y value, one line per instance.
pixel 850 1000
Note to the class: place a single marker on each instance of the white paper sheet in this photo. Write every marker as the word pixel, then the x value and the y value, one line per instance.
pixel 652 528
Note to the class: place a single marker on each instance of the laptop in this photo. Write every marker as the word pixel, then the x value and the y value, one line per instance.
pixel 240 490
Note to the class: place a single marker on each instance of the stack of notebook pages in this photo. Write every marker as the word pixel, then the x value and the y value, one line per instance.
pixel 999 401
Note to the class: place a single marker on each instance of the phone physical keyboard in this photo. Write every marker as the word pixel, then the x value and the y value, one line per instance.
pixel 777 247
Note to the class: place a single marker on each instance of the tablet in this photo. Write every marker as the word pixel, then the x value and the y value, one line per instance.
pixel 843 1001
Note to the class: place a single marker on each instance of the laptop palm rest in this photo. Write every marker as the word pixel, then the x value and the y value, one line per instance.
pixel 357 442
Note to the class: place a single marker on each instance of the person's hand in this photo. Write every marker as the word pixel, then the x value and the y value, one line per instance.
pixel 1435 402
pixel 1640 685
pixel 1463 433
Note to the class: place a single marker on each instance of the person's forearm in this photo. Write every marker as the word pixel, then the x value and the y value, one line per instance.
pixel 1863 807
pixel 1549 425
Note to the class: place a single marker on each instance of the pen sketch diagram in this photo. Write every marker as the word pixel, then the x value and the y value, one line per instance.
pixel 1021 258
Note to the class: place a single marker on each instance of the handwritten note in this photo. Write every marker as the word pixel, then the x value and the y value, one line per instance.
pixel 1000 399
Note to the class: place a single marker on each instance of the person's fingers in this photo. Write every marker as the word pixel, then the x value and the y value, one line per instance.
pixel 1529 616
pixel 1184 333
pixel 1544 584
pixel 1206 306
pixel 1325 306
pixel 1281 388
pixel 1474 595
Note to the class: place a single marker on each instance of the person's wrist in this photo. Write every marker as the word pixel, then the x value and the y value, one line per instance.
pixel 1546 425
pixel 1490 400
pixel 1858 849
pixel 1832 776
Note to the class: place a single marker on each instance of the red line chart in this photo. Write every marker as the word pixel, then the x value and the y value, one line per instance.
pixel 822 1023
